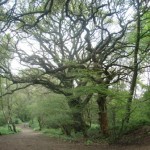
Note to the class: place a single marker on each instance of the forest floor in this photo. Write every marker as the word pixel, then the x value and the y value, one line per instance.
pixel 28 139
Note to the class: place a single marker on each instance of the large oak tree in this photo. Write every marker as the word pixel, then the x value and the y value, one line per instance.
pixel 79 49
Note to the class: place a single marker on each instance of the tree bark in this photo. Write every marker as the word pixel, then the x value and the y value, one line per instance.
pixel 14 127
pixel 40 123
pixel 135 67
pixel 103 118
pixel 79 124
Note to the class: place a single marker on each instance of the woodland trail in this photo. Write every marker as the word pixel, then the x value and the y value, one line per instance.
pixel 28 139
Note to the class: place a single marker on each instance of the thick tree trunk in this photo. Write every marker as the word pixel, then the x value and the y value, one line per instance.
pixel 103 118
pixel 79 124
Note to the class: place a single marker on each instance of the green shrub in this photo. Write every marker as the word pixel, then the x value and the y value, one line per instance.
pixel 93 131
pixel 4 130
pixel 2 120
pixel 34 124
pixel 89 142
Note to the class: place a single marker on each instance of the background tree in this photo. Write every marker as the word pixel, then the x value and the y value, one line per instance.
pixel 141 34
pixel 7 107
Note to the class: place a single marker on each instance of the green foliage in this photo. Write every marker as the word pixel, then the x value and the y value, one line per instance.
pixel 116 107
pixel 53 132
pixel 139 115
pixel 93 131
pixel 5 49
pixel 17 121
pixel 51 110
pixel 57 133
pixel 89 142
pixel 90 112
pixel 20 106
pixel 4 130
pixel 2 119
pixel 89 89
pixel 76 47
pixel 34 124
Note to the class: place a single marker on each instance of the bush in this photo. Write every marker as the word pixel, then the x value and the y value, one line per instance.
pixel 34 124
pixel 4 130
pixel 17 121
pixel 2 120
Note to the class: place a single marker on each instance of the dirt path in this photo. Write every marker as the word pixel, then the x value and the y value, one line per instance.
pixel 30 140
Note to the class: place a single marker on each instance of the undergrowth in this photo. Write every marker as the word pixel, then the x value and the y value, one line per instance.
pixel 4 130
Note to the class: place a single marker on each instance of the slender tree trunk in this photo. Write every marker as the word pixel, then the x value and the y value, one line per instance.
pixel 1 100
pixel 135 67
pixel 14 127
pixel 103 119
pixel 9 125
pixel 66 129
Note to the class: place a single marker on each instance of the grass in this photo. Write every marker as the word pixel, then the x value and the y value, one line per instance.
pixel 75 137
pixel 52 132
pixel 57 133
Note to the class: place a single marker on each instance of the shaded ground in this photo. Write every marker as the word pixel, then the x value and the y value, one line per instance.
pixel 139 136
pixel 30 140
